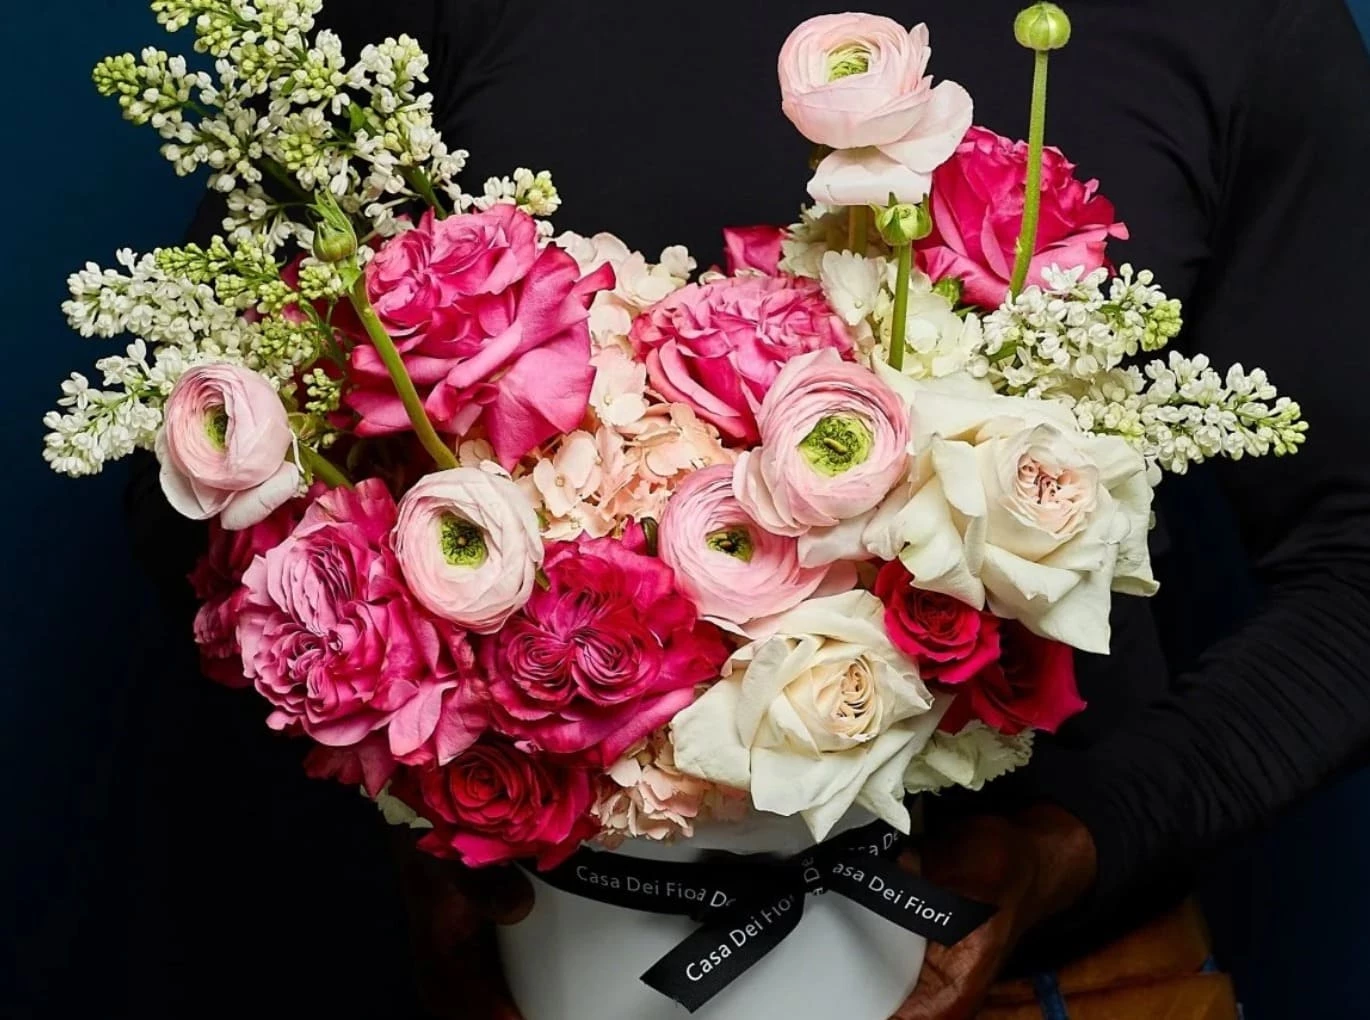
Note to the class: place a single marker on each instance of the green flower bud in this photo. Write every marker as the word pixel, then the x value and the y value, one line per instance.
pixel 950 288
pixel 902 223
pixel 333 243
pixel 1042 27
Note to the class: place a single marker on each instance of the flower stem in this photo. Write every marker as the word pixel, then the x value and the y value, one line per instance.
pixel 857 229
pixel 442 455
pixel 901 306
pixel 1032 195
pixel 418 180
pixel 285 178
pixel 324 469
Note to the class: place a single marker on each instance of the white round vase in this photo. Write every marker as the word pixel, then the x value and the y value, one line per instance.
pixel 577 959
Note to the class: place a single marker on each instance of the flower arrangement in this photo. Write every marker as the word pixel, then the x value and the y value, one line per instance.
pixel 540 541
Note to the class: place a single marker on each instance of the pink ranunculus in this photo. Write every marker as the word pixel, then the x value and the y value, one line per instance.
pixel 497 803
pixel 607 652
pixel 467 540
pixel 1031 687
pixel 834 441
pixel 223 446
pixel 719 346
pixel 857 84
pixel 756 248
pixel 492 331
pixel 333 640
pixel 218 583
pixel 977 214
pixel 950 641
pixel 734 570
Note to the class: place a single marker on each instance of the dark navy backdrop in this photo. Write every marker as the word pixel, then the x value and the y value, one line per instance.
pixel 132 891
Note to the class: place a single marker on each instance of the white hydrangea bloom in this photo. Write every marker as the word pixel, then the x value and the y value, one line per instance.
pixel 970 759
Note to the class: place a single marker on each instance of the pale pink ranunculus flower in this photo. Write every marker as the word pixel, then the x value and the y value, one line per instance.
pixel 223 446
pixel 834 441
pixel 468 544
pixel 857 84
pixel 734 570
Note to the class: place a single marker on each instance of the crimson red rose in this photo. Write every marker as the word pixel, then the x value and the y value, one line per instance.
pixel 977 214
pixel 950 641
pixel 1031 687
pixel 496 803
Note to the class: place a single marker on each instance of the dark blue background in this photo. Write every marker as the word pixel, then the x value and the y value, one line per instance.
pixel 109 912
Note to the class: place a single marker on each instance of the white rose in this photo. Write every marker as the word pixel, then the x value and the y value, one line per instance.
pixel 969 759
pixel 823 715
pixel 1011 505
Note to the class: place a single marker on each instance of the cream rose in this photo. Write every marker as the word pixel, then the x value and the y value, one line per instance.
pixel 822 715
pixel 1009 504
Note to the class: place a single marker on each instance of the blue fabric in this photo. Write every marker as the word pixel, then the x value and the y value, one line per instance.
pixel 1049 997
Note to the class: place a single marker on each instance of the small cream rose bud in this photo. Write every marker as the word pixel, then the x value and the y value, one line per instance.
pixel 1042 27
pixel 902 223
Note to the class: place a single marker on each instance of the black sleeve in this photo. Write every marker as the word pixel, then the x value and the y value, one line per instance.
pixel 1284 702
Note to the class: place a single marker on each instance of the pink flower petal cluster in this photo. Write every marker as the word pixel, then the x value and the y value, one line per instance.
pixel 950 640
pixel 1030 687
pixel 606 652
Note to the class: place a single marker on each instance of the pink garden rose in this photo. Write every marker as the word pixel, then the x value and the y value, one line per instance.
pixel 493 331
pixel 756 248
pixel 977 213
pixel 719 346
pixel 1031 687
pixel 834 441
pixel 856 83
pixel 607 652
pixel 467 540
pixel 734 570
pixel 223 446
pixel 368 764
pixel 497 804
pixel 950 641
pixel 333 640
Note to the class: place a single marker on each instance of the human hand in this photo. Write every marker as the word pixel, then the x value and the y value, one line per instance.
pixel 1031 866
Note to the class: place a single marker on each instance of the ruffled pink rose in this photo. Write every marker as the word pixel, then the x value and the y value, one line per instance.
pixel 333 640
pixel 950 641
pixel 977 214
pixel 834 441
pixel 467 540
pixel 497 804
pixel 223 446
pixel 719 346
pixel 1031 687
pixel 607 652
pixel 492 331
pixel 734 570
pixel 218 583
pixel 857 84
pixel 755 248
pixel 368 764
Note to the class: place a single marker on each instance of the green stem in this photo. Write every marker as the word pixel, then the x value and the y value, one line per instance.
pixel 285 179
pixel 442 455
pixel 857 229
pixel 324 469
pixel 1032 196
pixel 901 306
pixel 418 180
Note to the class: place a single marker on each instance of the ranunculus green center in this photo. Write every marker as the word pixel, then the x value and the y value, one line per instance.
pixel 735 541
pixel 848 60
pixel 463 544
pixel 216 427
pixel 837 443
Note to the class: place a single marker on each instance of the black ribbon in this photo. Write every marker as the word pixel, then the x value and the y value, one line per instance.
pixel 747 905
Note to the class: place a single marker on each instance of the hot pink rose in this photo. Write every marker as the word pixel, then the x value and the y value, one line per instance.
pixel 719 346
pixel 497 803
pixel 492 331
pixel 951 641
pixel 733 569
pixel 857 84
pixel 607 652
pixel 977 213
pixel 1031 687
pixel 218 583
pixel 223 446
pixel 834 441
pixel 333 640
pixel 755 248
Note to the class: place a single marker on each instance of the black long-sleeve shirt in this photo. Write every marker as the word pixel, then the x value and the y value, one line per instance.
pixel 1233 138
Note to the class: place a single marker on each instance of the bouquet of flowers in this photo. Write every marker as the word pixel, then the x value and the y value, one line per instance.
pixel 543 543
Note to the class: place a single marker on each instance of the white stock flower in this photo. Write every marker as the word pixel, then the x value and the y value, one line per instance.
pixel 823 715
pixel 969 759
